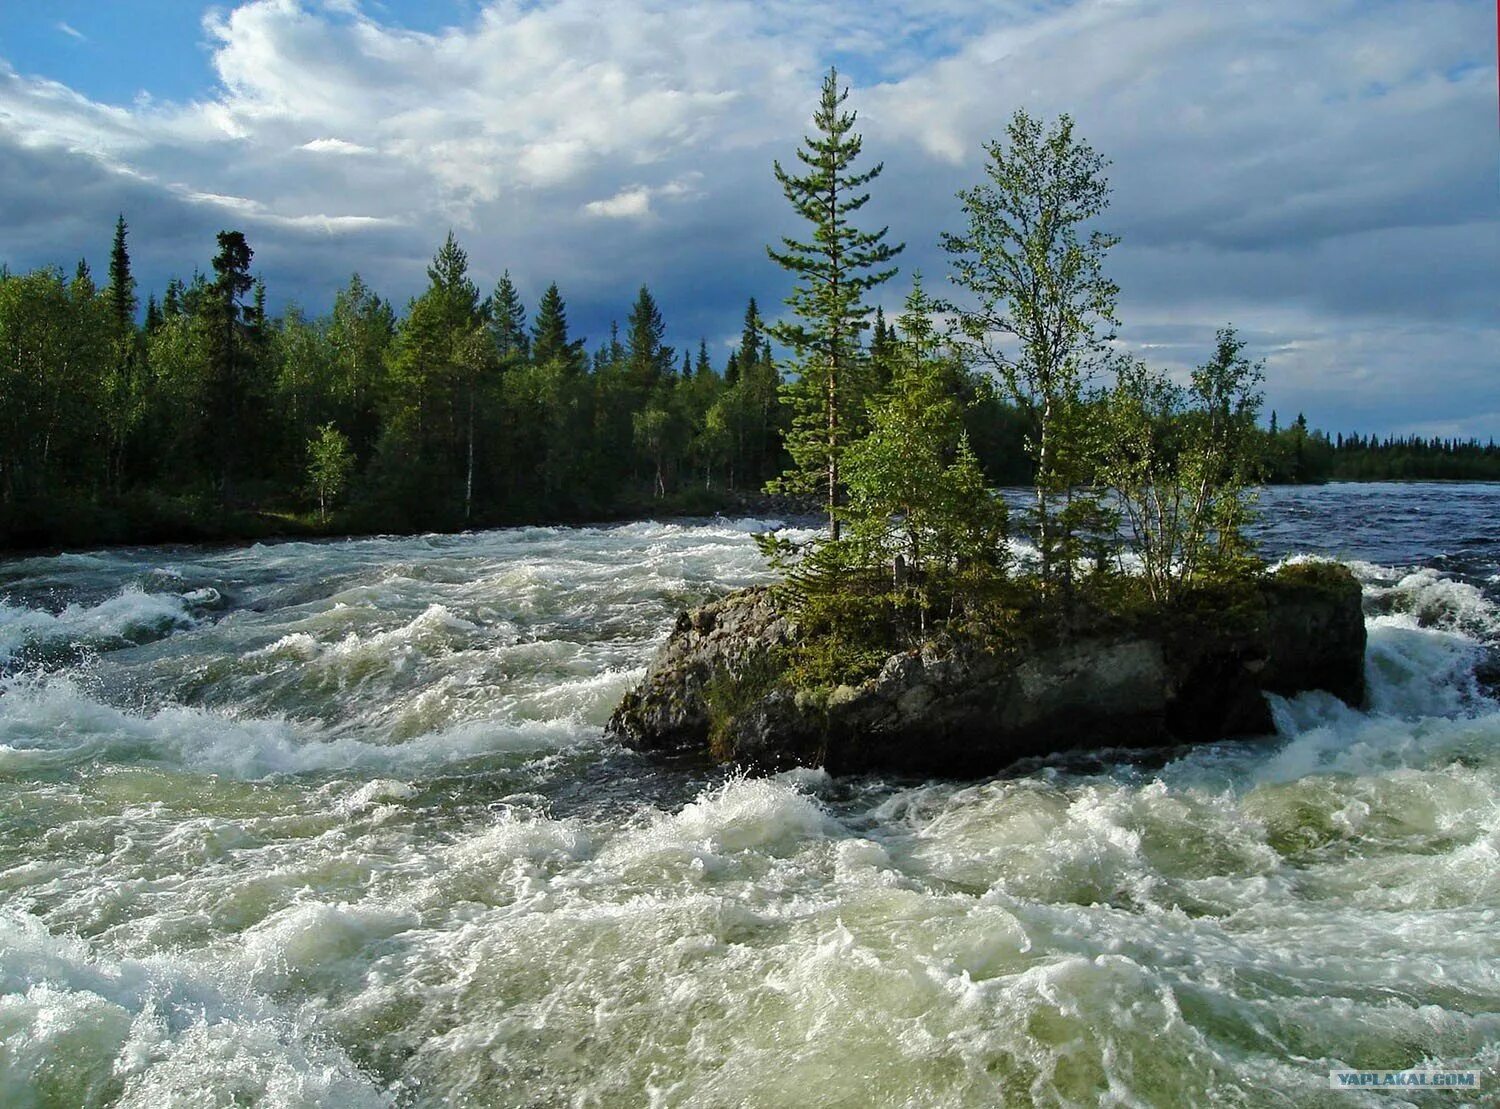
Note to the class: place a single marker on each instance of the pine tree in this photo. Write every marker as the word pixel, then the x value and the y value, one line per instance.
pixel 122 300
pixel 644 330
pixel 549 332
pixel 230 390
pixel 834 270
pixel 508 321
pixel 704 365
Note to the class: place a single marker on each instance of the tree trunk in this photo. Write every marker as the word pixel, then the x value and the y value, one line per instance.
pixel 1043 475
pixel 833 446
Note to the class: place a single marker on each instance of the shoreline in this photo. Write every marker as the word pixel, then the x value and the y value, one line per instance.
pixel 697 505
pixel 673 508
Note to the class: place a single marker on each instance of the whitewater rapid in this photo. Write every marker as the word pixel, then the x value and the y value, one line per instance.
pixel 335 824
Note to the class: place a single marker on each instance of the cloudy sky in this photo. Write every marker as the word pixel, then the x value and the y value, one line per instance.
pixel 1321 173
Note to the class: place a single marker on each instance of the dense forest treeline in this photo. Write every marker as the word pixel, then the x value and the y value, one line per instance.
pixel 198 415
pixel 202 416
pixel 1296 455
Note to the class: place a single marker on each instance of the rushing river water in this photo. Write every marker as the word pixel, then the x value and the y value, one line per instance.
pixel 334 824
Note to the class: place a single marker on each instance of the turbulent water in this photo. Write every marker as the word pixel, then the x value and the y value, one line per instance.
pixel 335 824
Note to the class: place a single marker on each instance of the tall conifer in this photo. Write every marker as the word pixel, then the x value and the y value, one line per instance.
pixel 834 270
pixel 508 320
pixel 122 301
pixel 549 333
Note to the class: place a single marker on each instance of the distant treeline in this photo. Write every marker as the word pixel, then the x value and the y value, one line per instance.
pixel 1295 455
pixel 205 417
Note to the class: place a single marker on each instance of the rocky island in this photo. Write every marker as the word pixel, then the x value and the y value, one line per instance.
pixel 966 705
pixel 924 630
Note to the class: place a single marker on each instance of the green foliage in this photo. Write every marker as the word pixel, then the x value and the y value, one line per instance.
pixel 917 498
pixel 329 464
pixel 1180 463
pixel 834 270
pixel 1041 309
pixel 647 359
pixel 727 694
pixel 457 411
pixel 508 321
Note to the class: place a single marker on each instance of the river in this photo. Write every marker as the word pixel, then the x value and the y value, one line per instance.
pixel 335 824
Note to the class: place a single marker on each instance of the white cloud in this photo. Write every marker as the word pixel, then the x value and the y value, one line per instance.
pixel 71 31
pixel 634 202
pixel 335 146
pixel 626 204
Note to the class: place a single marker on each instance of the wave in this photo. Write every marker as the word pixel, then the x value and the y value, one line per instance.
pixel 129 618
pixel 51 722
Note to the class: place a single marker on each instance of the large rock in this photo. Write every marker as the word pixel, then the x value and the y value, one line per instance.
pixel 957 707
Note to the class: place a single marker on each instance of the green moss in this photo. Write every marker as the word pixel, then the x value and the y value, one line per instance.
pixel 1332 577
pixel 729 693
pixel 847 636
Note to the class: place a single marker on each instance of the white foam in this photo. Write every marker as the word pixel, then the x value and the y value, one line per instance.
pixel 130 616
pixel 47 721
pixel 86 1029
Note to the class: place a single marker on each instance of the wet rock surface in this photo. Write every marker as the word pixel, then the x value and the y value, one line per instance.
pixel 956 707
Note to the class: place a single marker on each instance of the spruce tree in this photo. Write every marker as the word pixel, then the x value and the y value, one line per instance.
pixel 917 495
pixel 751 335
pixel 508 320
pixel 704 365
pixel 644 331
pixel 122 300
pixel 459 297
pixel 834 270
pixel 449 276
pixel 882 353
pixel 549 332
pixel 225 313
pixel 121 387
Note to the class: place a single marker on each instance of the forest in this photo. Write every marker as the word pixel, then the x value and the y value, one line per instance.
pixel 197 415
pixel 202 416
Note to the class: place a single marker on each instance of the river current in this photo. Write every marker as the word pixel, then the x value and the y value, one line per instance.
pixel 335 824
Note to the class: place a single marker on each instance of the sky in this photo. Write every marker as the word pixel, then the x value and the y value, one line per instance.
pixel 1323 175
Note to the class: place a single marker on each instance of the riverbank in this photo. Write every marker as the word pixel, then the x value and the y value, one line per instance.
pixel 153 519
pixel 156 519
